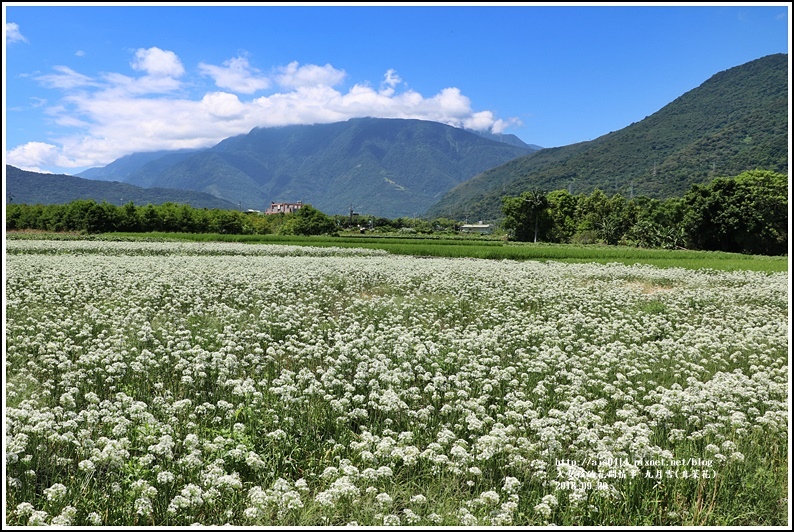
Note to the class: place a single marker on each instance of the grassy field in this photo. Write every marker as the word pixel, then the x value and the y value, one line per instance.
pixel 481 248
pixel 178 383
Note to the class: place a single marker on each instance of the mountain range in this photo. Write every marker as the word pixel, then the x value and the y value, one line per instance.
pixel 387 167
pixel 737 120
pixel 34 188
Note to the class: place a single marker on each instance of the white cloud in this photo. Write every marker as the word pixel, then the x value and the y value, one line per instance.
pixel 32 155
pixel 479 121
pixel 114 114
pixel 158 63
pixel 295 76
pixel 390 81
pixel 142 85
pixel 451 102
pixel 223 105
pixel 66 79
pixel 391 78
pixel 500 125
pixel 236 75
pixel 13 34
pixel 485 121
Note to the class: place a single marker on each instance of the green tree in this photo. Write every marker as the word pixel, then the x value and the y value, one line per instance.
pixel 150 219
pixel 383 225
pixel 224 221
pixel 185 219
pixel 309 221
pixel 76 215
pixel 201 219
pixel 562 210
pixel 14 213
pixel 129 218
pixel 524 214
pixel 169 217
pixel 645 233
pixel 592 210
pixel 745 214
pixel 762 204
pixel 443 224
pixel 100 218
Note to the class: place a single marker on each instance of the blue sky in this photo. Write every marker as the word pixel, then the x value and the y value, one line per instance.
pixel 85 85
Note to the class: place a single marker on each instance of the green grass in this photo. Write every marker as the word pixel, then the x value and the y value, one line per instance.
pixel 479 247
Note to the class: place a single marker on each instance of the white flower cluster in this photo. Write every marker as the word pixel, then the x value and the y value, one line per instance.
pixel 108 247
pixel 281 498
pixel 201 374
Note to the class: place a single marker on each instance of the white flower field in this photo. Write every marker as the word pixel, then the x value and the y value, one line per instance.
pixel 195 383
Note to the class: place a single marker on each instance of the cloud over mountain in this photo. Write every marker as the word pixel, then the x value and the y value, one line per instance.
pixel 162 103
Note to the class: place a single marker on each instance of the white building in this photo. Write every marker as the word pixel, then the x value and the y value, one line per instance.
pixel 283 208
pixel 479 228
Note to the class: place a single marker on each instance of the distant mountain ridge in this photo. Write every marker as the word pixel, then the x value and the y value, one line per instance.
pixel 123 167
pixel 735 121
pixel 381 166
pixel 34 188
pixel 507 138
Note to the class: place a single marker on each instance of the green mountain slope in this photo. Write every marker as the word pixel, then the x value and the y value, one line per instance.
pixel 33 188
pixel 123 167
pixel 385 167
pixel 735 121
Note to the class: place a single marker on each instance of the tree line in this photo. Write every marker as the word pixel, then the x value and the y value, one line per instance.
pixel 743 214
pixel 89 216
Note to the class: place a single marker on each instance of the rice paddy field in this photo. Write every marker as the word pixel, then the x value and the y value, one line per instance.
pixel 207 383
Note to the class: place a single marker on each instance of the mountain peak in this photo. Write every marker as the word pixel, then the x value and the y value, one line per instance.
pixel 389 167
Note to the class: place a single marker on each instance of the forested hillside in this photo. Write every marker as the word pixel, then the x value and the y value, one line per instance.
pixel 387 167
pixel 34 188
pixel 734 122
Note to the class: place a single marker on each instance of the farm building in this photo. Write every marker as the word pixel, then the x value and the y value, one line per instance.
pixel 479 227
pixel 283 208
